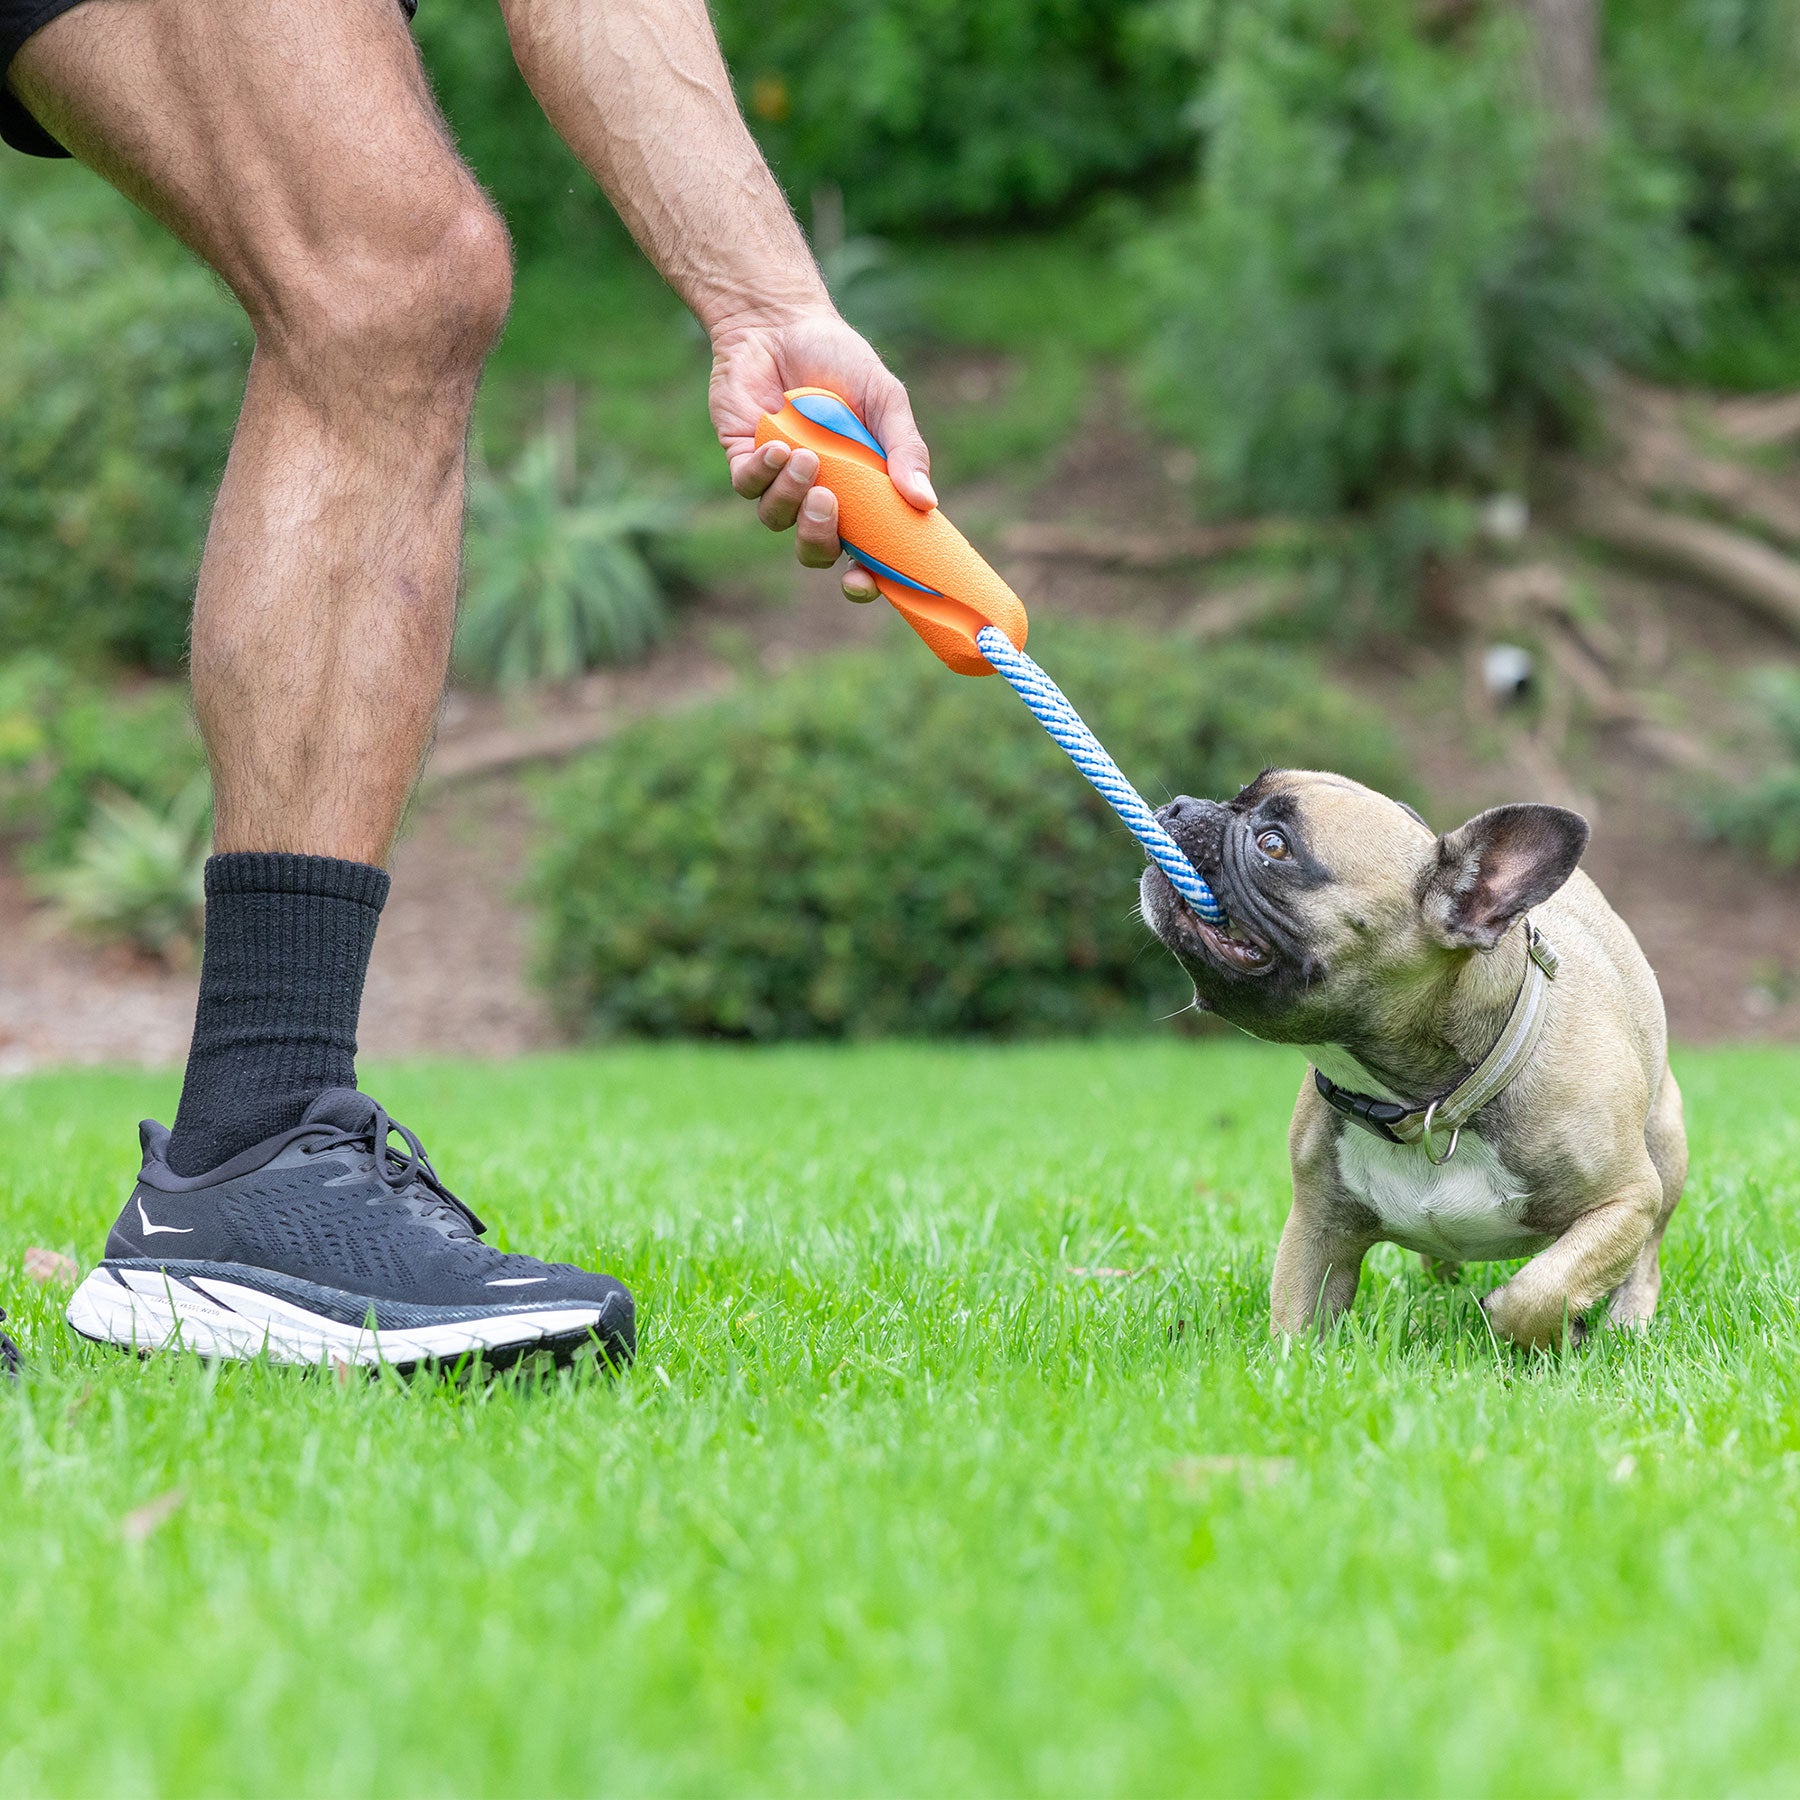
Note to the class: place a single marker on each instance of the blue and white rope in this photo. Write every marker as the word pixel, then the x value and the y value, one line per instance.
pixel 1053 711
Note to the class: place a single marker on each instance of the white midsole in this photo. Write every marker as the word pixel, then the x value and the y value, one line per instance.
pixel 143 1309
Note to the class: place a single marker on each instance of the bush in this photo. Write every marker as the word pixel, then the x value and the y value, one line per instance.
pixel 1382 282
pixel 137 874
pixel 562 574
pixel 65 739
pixel 871 846
pixel 1707 85
pixel 929 111
pixel 121 368
pixel 922 111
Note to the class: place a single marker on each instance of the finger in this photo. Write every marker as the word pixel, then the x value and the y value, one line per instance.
pixel 817 538
pixel 859 585
pixel 752 472
pixel 909 462
pixel 780 505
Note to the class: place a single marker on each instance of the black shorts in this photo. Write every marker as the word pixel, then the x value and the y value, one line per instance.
pixel 18 20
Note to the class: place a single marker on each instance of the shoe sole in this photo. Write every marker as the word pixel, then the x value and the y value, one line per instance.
pixel 147 1308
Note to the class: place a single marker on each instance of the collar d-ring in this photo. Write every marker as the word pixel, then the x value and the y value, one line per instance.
pixel 1437 1162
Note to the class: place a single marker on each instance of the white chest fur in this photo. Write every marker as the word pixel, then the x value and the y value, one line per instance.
pixel 1466 1210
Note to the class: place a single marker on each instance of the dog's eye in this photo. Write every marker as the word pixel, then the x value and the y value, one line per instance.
pixel 1272 844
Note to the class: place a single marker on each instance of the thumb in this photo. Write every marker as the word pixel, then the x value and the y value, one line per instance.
pixel 909 462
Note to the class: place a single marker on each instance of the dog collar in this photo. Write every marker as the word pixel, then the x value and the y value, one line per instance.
pixel 1399 1123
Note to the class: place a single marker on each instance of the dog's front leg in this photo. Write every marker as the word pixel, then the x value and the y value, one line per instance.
pixel 1321 1255
pixel 1316 1272
pixel 1559 1285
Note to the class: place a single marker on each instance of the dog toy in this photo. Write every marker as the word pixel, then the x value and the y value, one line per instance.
pixel 969 618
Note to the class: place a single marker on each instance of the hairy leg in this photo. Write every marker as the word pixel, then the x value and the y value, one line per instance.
pixel 296 148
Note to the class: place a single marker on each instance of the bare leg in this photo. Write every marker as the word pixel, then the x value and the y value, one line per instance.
pixel 297 149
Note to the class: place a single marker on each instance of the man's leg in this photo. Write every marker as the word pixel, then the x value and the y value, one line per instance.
pixel 296 148
pixel 294 145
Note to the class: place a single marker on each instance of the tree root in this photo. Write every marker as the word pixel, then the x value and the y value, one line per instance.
pixel 1732 562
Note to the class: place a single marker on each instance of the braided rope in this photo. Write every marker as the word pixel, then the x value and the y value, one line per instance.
pixel 1053 711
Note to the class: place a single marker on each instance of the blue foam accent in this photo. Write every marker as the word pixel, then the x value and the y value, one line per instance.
pixel 876 566
pixel 834 415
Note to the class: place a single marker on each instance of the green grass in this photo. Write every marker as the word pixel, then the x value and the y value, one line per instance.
pixel 898 1501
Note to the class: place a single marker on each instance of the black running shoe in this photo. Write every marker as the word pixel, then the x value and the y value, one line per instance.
pixel 328 1243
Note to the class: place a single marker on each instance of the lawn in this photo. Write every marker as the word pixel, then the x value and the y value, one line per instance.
pixel 957 1459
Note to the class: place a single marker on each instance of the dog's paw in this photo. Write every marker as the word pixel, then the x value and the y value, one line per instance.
pixel 1544 1331
pixel 1436 1269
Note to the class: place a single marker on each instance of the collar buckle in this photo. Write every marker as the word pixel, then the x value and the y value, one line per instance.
pixel 1398 1123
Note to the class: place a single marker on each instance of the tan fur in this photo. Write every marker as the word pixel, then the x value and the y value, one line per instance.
pixel 1591 1130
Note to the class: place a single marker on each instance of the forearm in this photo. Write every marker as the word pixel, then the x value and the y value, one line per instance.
pixel 638 90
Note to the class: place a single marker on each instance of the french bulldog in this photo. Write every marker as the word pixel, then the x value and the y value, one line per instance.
pixel 1489 1073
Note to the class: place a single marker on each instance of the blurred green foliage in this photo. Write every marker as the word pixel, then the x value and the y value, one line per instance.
pixel 1707 87
pixel 1763 815
pixel 1392 272
pixel 1381 281
pixel 864 847
pixel 66 739
pixel 136 873
pixel 562 573
pixel 929 112
pixel 121 367
pixel 924 112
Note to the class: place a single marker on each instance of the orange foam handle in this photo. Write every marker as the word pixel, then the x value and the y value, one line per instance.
pixel 923 547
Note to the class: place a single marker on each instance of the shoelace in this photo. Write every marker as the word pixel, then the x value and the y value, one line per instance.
pixel 398 1173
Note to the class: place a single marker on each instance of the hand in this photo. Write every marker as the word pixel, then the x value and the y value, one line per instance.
pixel 754 364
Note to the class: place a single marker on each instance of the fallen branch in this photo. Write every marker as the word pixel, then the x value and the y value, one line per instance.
pixel 1144 550
pixel 1226 614
pixel 1661 459
pixel 510 747
pixel 1759 420
pixel 506 747
pixel 1731 562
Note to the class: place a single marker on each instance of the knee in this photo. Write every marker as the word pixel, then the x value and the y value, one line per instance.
pixel 406 306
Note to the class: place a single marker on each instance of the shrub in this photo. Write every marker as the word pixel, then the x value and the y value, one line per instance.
pixel 1382 283
pixel 121 367
pixel 562 575
pixel 1764 816
pixel 1708 87
pixel 137 873
pixel 927 111
pixel 869 845
pixel 64 739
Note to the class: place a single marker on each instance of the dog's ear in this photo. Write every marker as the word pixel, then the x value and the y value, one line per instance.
pixel 1497 867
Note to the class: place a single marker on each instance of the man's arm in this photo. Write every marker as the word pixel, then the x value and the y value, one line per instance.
pixel 638 90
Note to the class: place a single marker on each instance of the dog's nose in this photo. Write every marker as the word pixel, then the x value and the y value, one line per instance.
pixel 1184 809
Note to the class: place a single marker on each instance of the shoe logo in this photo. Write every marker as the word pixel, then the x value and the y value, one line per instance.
pixel 151 1230
pixel 520 1281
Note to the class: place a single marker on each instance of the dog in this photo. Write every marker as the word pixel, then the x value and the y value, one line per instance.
pixel 1489 1073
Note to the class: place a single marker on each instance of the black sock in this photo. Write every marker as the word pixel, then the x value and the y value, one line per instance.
pixel 281 980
